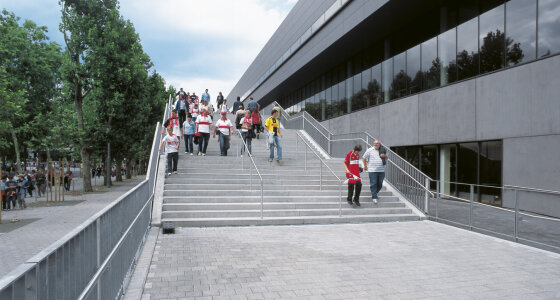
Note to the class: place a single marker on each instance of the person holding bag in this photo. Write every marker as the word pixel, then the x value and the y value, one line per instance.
pixel 256 118
pixel 246 132
pixel 273 130
pixel 352 166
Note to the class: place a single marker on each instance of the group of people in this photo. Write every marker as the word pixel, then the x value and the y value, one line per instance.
pixel 374 162
pixel 194 124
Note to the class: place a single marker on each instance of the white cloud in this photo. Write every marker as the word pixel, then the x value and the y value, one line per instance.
pixel 218 36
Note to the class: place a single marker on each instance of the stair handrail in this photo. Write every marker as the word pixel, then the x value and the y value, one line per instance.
pixel 341 182
pixel 251 170
pixel 408 184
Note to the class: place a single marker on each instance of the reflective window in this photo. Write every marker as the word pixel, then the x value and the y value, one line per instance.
pixel 492 40
pixel 491 171
pixel 359 94
pixel 447 55
pixel 467 164
pixel 413 69
pixel 428 162
pixel 387 68
pixel 549 27
pixel 467 49
pixel 447 168
pixel 521 30
pixel 413 156
pixel 365 96
pixel 430 64
pixel 375 95
pixel 401 80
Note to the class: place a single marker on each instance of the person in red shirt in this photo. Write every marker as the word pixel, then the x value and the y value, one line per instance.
pixel 352 166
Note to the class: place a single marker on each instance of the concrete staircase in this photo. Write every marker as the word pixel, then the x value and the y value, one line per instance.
pixel 213 190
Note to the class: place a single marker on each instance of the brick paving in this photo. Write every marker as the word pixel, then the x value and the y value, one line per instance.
pixel 409 260
pixel 54 222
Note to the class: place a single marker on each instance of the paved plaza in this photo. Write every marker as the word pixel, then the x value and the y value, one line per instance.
pixel 408 260
pixel 42 225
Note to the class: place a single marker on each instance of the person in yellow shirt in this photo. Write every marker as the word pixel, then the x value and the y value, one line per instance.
pixel 273 136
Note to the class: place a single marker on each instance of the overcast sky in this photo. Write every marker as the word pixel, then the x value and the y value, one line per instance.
pixel 194 44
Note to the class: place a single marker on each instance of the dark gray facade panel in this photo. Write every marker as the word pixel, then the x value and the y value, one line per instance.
pixel 533 161
pixel 354 13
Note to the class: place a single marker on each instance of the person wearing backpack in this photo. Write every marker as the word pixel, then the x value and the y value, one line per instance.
pixel 246 126
pixel 22 186
pixel 256 119
pixel 239 114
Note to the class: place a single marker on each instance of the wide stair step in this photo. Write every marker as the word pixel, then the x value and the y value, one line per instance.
pixel 213 190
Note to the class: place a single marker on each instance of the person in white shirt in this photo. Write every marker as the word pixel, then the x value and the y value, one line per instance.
pixel 225 129
pixel 246 126
pixel 195 111
pixel 203 129
pixel 172 143
pixel 375 160
pixel 173 121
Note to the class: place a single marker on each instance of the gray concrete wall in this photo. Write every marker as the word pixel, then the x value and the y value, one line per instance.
pixel 516 102
pixel 533 162
pixel 520 106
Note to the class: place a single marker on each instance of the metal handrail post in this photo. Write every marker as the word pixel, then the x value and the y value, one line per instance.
pixel 321 178
pixel 251 177
pixel 437 198
pixel 340 199
pixel 426 196
pixel 516 215
pixel 329 146
pixel 471 205
pixel 262 199
pixel 305 158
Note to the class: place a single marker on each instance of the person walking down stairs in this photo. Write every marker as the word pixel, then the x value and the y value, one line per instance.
pixel 273 136
pixel 352 166
pixel 225 129
pixel 203 129
pixel 246 134
pixel 172 143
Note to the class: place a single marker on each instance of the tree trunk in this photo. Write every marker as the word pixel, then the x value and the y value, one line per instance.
pixel 118 172
pixel 16 148
pixel 78 100
pixel 129 166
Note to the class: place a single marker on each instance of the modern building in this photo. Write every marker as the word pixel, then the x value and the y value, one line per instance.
pixel 468 91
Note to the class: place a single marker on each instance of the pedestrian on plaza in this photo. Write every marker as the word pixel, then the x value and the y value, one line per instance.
pixel 274 135
pixel 205 96
pixel 195 111
pixel 22 186
pixel 203 129
pixel 256 118
pixel 225 128
pixel 224 107
pixel 219 100
pixel 11 194
pixel 236 105
pixel 253 104
pixel 180 93
pixel 67 181
pixel 29 189
pixel 172 122
pixel 194 98
pixel 182 106
pixel 352 166
pixel 375 160
pixel 41 180
pixel 188 134
pixel 172 143
pixel 3 191
pixel 246 131
pixel 239 114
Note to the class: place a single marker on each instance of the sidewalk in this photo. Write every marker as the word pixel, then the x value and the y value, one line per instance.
pixel 44 223
pixel 408 260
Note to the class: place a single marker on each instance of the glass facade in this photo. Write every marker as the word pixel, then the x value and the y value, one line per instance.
pixel 472 38
pixel 458 165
